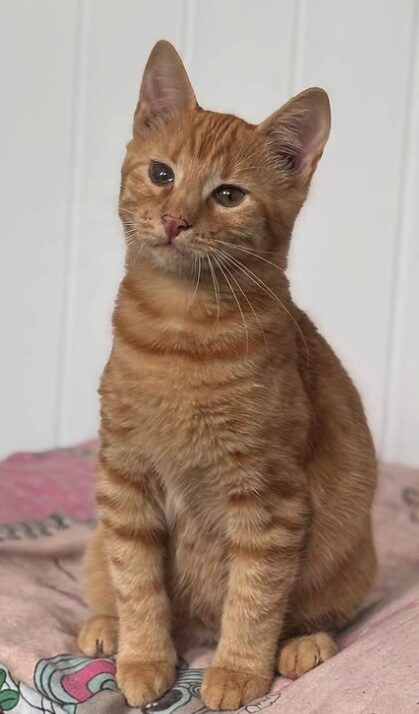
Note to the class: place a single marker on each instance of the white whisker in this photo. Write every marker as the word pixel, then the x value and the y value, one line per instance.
pixel 250 252
pixel 268 291
pixel 237 301
pixel 247 300
pixel 216 288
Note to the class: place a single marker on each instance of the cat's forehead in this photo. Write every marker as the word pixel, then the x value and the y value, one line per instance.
pixel 208 141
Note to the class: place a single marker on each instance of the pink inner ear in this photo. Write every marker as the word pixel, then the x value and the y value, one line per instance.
pixel 299 131
pixel 165 86
pixel 153 95
pixel 316 137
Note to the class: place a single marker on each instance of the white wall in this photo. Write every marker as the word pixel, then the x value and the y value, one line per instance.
pixel 69 73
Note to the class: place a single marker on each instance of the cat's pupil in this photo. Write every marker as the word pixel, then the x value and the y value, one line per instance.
pixel 160 174
pixel 228 195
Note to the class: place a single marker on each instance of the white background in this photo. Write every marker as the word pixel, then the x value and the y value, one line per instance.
pixel 69 77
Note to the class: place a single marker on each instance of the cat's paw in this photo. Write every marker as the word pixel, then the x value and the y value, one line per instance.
pixel 227 689
pixel 99 636
pixel 143 682
pixel 301 654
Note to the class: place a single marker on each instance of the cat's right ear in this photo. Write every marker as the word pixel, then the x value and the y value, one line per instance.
pixel 297 133
pixel 165 87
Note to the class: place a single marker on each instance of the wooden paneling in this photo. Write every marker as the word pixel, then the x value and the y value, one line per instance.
pixel 343 267
pixel 117 38
pixel 38 45
pixel 70 74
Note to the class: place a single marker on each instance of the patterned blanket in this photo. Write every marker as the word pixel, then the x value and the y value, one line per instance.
pixel 46 512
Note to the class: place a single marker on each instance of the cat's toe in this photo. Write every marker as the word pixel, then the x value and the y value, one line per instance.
pixel 99 636
pixel 225 689
pixel 301 654
pixel 144 682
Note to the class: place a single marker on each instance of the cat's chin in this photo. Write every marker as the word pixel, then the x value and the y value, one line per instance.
pixel 170 258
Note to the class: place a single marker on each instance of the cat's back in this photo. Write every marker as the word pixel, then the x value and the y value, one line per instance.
pixel 335 400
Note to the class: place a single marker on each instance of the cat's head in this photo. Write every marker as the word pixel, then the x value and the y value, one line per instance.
pixel 200 184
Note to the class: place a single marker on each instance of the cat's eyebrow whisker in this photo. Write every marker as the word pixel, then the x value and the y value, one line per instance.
pixel 247 158
pixel 237 301
pixel 245 297
pixel 261 284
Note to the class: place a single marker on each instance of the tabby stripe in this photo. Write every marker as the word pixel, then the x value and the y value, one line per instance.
pixel 148 537
pixel 284 490
pixel 106 500
pixel 119 477
pixel 141 591
pixel 130 290
pixel 260 552
pixel 282 522
pixel 236 351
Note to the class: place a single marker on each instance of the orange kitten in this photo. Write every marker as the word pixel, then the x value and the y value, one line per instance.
pixel 236 469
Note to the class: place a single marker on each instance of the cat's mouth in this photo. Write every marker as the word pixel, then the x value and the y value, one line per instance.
pixel 170 253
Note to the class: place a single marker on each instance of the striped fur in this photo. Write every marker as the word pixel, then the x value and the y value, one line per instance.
pixel 236 469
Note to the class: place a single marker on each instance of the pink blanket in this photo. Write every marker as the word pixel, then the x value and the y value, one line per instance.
pixel 46 507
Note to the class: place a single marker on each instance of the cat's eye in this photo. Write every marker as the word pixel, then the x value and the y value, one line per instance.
pixel 160 173
pixel 228 196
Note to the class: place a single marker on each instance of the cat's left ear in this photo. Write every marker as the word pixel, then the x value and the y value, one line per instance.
pixel 165 87
pixel 297 133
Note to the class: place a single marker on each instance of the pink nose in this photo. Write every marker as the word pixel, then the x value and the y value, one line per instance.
pixel 173 225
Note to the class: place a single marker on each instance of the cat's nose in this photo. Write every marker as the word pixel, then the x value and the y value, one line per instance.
pixel 173 225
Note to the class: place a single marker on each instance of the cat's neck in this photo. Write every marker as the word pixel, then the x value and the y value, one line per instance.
pixel 199 296
pixel 162 312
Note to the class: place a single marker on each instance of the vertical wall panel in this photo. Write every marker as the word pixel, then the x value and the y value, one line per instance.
pixel 119 39
pixel 37 52
pixel 241 55
pixel 344 244
pixel 402 413
pixel 70 74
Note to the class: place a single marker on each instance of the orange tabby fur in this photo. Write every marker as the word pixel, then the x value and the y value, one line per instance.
pixel 236 469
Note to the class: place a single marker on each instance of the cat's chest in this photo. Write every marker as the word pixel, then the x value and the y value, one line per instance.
pixel 187 416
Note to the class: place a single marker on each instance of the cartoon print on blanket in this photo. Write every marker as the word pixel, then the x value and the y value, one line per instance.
pixel 8 697
pixel 18 698
pixel 46 514
pixel 411 497
pixel 72 681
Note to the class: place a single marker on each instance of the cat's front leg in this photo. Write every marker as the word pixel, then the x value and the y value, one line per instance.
pixel 135 537
pixel 266 528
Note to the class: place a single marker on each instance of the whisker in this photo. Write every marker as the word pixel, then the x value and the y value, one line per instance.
pixel 198 279
pixel 250 252
pixel 139 252
pixel 248 302
pixel 127 210
pixel 237 301
pixel 216 288
pixel 191 297
pixel 268 291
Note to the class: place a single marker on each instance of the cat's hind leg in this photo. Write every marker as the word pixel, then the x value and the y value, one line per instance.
pixel 99 633
pixel 300 654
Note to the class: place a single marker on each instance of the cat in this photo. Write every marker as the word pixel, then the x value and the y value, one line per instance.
pixel 236 469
